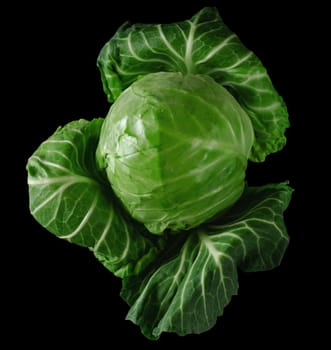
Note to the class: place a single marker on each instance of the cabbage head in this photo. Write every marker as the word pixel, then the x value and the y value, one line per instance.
pixel 175 148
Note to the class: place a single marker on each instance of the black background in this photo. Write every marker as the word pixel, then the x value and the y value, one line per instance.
pixel 58 293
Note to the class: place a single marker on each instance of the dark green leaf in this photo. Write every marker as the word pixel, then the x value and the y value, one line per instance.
pixel 186 292
pixel 200 45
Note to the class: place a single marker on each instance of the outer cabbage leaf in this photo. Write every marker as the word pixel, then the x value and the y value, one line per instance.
pixel 73 200
pixel 189 287
pixel 200 45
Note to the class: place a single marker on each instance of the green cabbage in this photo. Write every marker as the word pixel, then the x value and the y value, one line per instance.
pixel 157 189
pixel 175 148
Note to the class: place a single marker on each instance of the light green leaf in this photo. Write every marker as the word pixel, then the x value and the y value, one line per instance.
pixel 71 199
pixel 200 45
pixel 186 291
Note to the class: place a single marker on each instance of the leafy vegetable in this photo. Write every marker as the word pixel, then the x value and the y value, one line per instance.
pixel 191 106
pixel 162 115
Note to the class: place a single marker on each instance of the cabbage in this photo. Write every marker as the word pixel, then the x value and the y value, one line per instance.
pixel 157 189
pixel 175 147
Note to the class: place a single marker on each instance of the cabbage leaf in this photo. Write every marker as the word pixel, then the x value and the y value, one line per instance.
pixel 71 199
pixel 200 45
pixel 188 290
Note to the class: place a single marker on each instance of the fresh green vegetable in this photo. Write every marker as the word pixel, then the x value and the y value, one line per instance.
pixel 175 148
pixel 156 190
